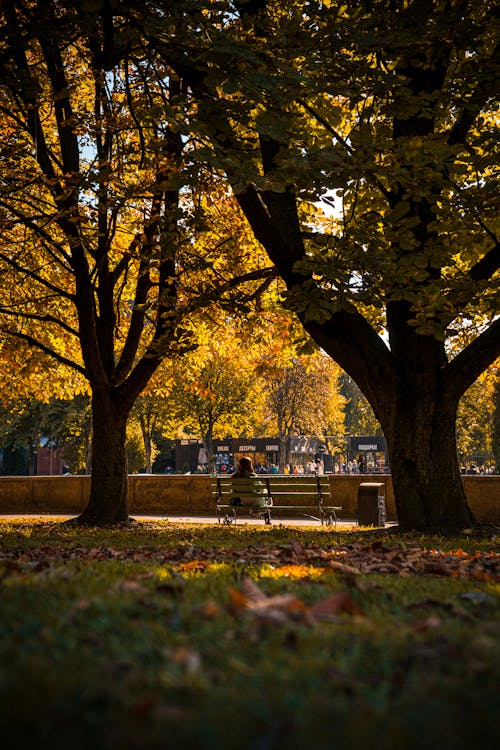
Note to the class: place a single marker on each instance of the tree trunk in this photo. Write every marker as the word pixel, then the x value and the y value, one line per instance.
pixel 108 489
pixel 148 452
pixel 283 455
pixel 424 465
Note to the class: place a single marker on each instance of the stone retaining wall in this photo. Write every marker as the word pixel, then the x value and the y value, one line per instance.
pixel 163 495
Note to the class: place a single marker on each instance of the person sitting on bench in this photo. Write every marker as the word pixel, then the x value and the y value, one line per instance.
pixel 247 489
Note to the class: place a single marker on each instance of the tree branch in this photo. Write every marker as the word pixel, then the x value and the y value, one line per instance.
pixel 468 365
pixel 46 349
pixel 371 178
pixel 13 263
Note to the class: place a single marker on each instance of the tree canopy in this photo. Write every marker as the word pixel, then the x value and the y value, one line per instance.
pixel 387 110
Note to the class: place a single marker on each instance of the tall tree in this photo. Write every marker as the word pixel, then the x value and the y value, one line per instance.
pixel 91 237
pixel 299 389
pixel 215 391
pixel 148 412
pixel 392 104
pixel 97 257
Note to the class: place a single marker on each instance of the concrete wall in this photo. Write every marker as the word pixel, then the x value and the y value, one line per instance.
pixel 163 495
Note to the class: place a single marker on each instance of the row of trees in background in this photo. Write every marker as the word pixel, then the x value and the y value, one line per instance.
pixel 219 396
pixel 165 166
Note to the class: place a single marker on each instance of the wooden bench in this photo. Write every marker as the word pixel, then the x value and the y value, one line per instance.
pixel 308 495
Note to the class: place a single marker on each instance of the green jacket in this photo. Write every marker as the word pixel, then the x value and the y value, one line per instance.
pixel 248 491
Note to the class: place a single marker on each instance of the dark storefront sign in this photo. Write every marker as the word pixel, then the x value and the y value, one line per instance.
pixel 225 447
pixel 262 451
pixel 255 445
pixel 371 453
pixel 376 444
pixel 245 448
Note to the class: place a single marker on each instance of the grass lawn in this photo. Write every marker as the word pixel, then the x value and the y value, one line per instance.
pixel 165 635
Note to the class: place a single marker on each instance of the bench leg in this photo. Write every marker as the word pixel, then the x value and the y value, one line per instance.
pixel 227 520
pixel 329 519
pixel 267 517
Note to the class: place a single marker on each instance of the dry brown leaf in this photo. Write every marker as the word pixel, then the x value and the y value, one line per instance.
pixel 82 604
pixel 297 547
pixel 339 567
pixel 335 605
pixel 9 567
pixel 286 602
pixel 278 608
pixel 237 599
pixel 428 624
pixel 251 591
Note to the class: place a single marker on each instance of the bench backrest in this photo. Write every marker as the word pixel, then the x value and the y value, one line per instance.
pixel 249 490
pixel 285 489
pixel 282 489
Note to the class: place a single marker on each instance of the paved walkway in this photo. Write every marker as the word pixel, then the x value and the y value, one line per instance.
pixel 341 524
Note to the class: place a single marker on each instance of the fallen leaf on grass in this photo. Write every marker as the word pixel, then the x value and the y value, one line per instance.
pixel 334 605
pixel 141 708
pixel 82 604
pixel 279 608
pixel 284 607
pixel 291 571
pixel 343 568
pixel 194 565
pixel 173 588
pixel 477 597
pixel 297 547
pixel 9 567
pixel 251 591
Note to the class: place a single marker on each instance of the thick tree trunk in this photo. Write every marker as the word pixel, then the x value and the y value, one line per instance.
pixel 424 465
pixel 108 490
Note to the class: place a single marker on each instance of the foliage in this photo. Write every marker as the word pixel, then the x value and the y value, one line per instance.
pixel 136 455
pixel 148 414
pixel 26 420
pixel 298 383
pixel 359 416
pixel 131 636
pixel 476 416
pixel 215 389
pixel 496 422
pixel 65 422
